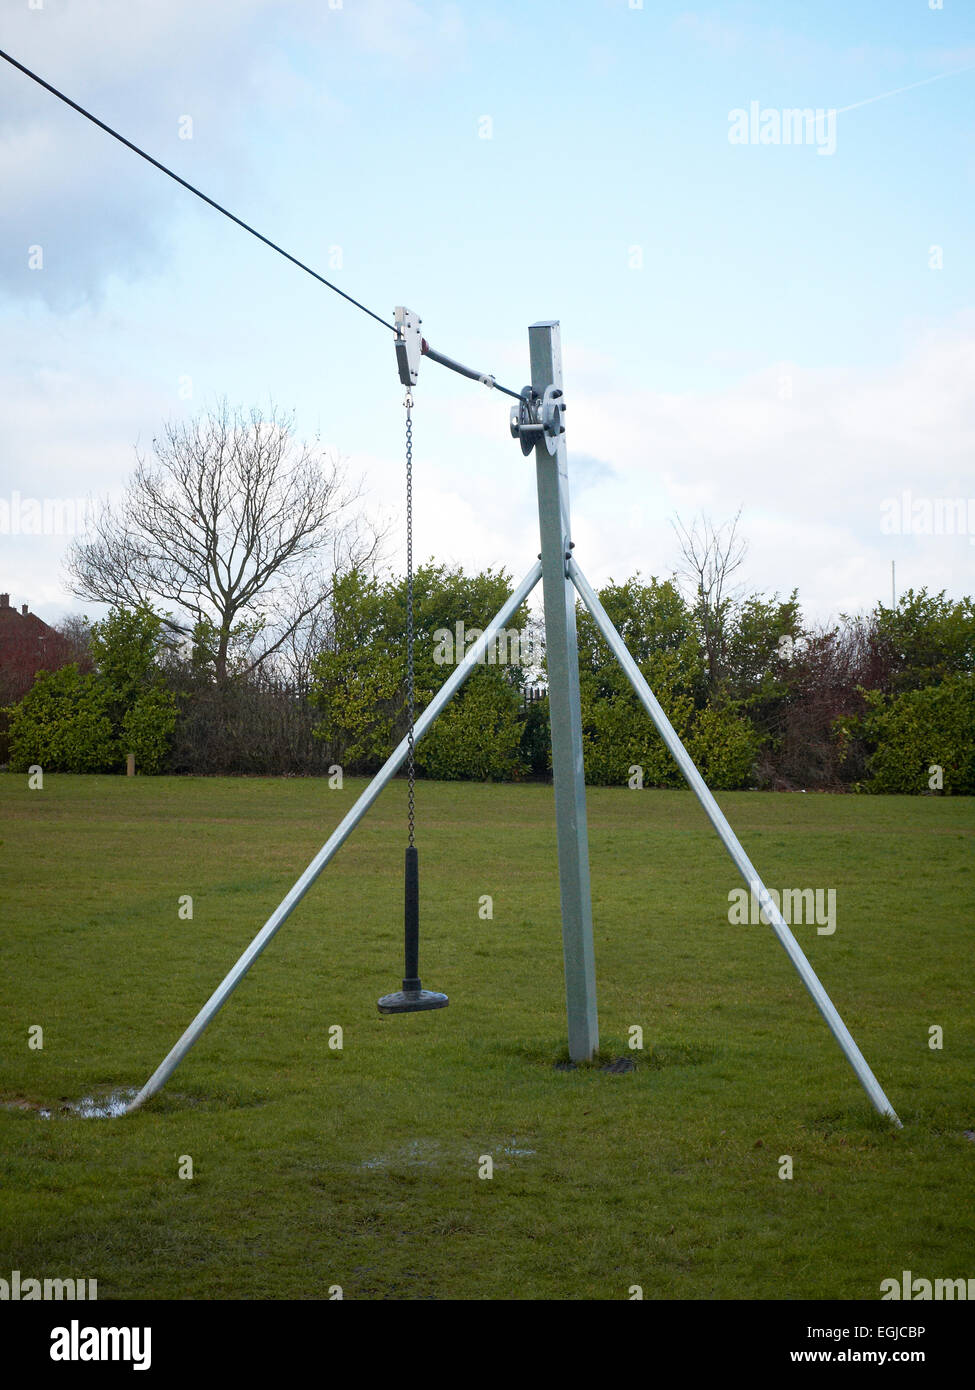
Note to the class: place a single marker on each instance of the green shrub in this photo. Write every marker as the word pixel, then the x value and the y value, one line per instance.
pixel 910 733
pixel 147 729
pixel 724 746
pixel 64 724
pixel 477 736
pixel 357 694
pixel 618 734
pixel 69 722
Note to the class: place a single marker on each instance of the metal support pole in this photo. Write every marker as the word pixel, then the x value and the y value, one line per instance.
pixel 562 657
pixel 730 841
pixel 220 996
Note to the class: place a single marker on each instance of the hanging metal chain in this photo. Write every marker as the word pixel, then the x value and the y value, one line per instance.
pixel 410 673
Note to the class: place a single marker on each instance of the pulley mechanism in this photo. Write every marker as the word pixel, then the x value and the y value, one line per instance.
pixel 537 418
pixel 412 998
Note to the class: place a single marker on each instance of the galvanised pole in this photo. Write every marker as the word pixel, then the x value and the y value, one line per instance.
pixel 562 658
pixel 731 843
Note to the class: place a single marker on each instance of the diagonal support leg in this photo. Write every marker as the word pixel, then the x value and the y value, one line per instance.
pixel 731 843
pixel 220 996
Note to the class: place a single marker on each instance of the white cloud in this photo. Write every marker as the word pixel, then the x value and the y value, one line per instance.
pixel 68 438
pixel 96 209
pixel 810 472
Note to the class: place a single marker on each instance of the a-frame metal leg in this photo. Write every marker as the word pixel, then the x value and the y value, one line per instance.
pixel 731 843
pixel 562 658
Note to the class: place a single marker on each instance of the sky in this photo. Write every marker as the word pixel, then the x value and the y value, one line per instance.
pixel 781 326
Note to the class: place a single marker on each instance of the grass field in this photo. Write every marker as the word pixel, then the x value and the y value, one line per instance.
pixel 315 1167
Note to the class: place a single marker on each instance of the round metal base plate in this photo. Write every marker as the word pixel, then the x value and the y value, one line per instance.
pixel 411 1001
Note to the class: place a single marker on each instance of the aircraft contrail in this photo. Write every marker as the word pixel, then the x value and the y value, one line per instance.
pixel 910 86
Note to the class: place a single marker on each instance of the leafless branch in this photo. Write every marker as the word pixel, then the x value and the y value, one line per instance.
pixel 710 555
pixel 233 521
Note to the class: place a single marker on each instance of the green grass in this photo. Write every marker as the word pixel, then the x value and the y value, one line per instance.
pixel 359 1168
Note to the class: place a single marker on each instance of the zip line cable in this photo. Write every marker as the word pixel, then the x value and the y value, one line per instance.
pixel 184 183
pixel 198 192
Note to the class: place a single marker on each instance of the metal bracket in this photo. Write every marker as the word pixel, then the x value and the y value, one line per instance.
pixel 409 345
pixel 537 418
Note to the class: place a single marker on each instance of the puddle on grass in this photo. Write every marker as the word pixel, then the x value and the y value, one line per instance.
pixel 427 1153
pixel 103 1107
pixel 419 1153
pixel 100 1107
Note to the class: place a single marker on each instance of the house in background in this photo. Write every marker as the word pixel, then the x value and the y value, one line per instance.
pixel 27 645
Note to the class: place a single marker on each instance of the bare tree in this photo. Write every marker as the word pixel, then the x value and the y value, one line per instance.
pixel 293 661
pixel 235 529
pixel 75 633
pixel 711 555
